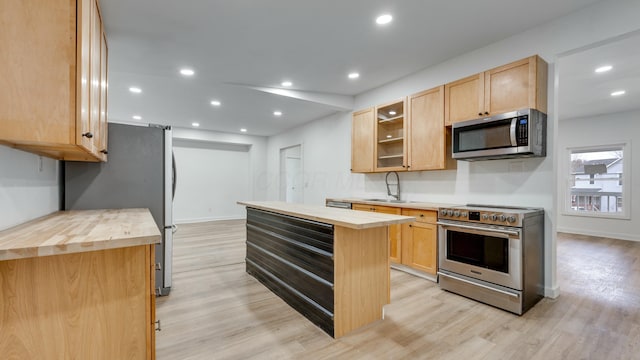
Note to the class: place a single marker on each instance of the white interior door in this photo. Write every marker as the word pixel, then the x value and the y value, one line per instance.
pixel 292 175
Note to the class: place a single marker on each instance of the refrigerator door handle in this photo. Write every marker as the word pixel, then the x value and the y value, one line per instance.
pixel 174 181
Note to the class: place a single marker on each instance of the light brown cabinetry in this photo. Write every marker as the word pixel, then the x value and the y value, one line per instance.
pixel 518 85
pixel 395 231
pixel 362 141
pixel 420 241
pixel 79 285
pixel 412 244
pixel 89 305
pixel 391 137
pixel 54 78
pixel 429 140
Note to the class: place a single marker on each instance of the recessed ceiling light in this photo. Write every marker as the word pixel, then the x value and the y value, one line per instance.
pixel 195 124
pixel 187 72
pixel 389 136
pixel 135 90
pixel 286 83
pixel 277 113
pixel 605 68
pixel 384 19
pixel 137 117
pixel 392 112
pixel 618 93
pixel 215 103
pixel 353 75
pixel 243 130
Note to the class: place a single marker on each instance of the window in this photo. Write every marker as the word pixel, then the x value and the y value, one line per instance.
pixel 598 178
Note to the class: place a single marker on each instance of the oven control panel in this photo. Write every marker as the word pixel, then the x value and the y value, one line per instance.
pixel 480 216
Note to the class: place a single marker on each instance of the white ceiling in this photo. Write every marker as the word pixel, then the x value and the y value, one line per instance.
pixel 583 93
pixel 235 46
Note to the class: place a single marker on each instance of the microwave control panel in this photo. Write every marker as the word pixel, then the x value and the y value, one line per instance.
pixel 522 131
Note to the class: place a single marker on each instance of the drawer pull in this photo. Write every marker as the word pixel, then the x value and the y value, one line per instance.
pixel 159 326
pixel 88 135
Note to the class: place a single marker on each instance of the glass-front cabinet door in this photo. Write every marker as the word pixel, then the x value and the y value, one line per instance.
pixel 391 137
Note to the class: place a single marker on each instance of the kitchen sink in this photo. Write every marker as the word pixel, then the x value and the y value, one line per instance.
pixel 387 200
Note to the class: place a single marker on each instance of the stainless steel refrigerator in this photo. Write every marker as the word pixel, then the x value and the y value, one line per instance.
pixel 140 173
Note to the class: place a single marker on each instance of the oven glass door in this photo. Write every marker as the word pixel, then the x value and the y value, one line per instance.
pixel 483 252
pixel 492 135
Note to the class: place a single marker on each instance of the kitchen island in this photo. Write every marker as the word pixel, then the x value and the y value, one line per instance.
pixel 331 265
pixel 79 285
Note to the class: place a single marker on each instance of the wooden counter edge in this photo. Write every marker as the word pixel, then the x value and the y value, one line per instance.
pixel 51 250
pixel 376 219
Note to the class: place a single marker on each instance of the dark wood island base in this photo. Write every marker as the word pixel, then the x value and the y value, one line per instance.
pixel 337 277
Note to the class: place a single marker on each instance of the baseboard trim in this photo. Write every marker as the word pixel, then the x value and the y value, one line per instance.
pixel 552 293
pixel 207 219
pixel 609 235
pixel 414 272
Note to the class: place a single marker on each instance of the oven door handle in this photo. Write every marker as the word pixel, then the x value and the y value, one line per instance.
pixel 509 232
pixel 480 285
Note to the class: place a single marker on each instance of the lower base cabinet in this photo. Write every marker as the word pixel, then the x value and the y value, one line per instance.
pixel 420 241
pixel 395 231
pixel 412 244
pixel 88 305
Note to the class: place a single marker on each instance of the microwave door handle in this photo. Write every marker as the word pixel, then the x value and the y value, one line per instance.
pixel 512 131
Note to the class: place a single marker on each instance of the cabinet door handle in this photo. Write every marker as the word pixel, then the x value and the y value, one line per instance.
pixel 486 113
pixel 159 327
pixel 104 151
pixel 410 225
pixel 480 113
pixel 88 135
pixel 421 215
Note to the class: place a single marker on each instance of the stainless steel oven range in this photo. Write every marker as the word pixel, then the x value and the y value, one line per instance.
pixel 493 254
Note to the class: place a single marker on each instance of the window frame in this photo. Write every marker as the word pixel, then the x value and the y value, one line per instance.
pixel 626 181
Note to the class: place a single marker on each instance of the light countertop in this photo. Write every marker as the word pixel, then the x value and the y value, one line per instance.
pixel 418 205
pixel 340 217
pixel 66 232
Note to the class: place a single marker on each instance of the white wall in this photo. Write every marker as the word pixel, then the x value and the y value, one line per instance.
pixel 260 180
pixel 326 145
pixel 527 182
pixel 603 130
pixel 212 177
pixel 27 190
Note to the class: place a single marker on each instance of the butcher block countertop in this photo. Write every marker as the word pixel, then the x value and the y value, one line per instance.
pixel 66 232
pixel 340 217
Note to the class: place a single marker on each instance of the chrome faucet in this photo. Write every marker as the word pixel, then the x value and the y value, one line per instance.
pixel 397 185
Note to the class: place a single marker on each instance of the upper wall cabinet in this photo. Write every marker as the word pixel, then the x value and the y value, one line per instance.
pixel 362 136
pixel 54 74
pixel 429 145
pixel 518 85
pixel 391 137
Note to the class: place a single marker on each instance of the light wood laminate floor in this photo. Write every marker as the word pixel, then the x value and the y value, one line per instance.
pixel 217 311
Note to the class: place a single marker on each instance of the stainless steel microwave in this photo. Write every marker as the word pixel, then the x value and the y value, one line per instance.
pixel 521 133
